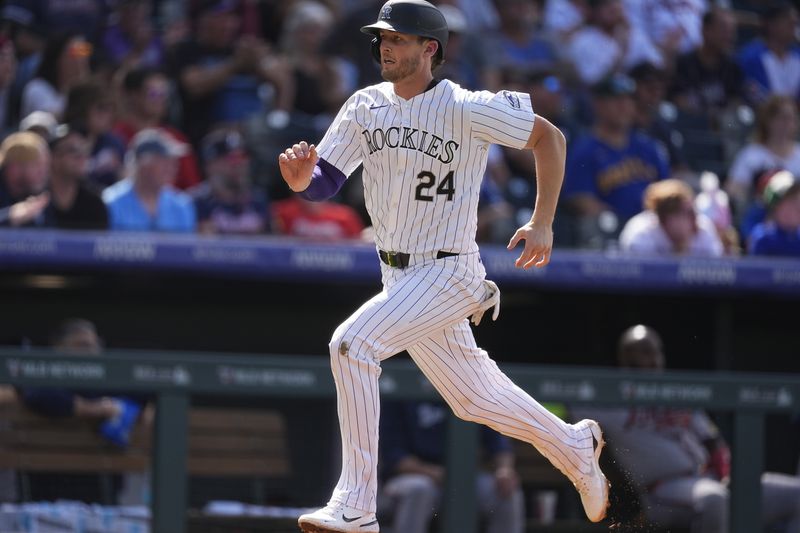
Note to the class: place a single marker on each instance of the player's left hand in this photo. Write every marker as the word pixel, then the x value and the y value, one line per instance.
pixel 538 244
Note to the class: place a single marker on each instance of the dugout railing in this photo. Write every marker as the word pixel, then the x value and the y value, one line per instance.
pixel 173 377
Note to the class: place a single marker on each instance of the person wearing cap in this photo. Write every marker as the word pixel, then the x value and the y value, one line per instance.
pixel 676 460
pixel 424 144
pixel 774 146
pixel 227 202
pixel 609 168
pixel 73 204
pixel 24 162
pixel 146 200
pixel 222 73
pixel 771 63
pixel 779 235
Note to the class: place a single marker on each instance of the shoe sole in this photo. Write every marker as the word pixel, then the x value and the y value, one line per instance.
pixel 597 433
pixel 313 528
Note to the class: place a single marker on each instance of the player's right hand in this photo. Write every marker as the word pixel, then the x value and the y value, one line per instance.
pixel 297 164
pixel 538 245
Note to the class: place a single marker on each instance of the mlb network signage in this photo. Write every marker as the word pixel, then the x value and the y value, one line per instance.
pixel 42 369
pixel 666 392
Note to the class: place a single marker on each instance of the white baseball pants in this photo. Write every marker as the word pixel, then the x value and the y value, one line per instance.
pixel 423 309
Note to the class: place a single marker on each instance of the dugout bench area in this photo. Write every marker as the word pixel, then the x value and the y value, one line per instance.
pixel 248 444
pixel 185 441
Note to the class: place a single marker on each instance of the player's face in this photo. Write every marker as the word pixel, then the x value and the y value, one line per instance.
pixel 401 55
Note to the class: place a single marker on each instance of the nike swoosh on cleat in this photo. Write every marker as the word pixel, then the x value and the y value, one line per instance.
pixel 378 106
pixel 348 519
pixel 370 524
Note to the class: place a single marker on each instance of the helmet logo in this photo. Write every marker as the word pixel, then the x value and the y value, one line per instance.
pixel 512 98
pixel 386 13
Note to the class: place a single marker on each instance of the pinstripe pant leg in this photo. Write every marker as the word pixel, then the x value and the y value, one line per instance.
pixel 416 302
pixel 478 391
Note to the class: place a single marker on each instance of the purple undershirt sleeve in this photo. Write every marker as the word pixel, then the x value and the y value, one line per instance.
pixel 326 181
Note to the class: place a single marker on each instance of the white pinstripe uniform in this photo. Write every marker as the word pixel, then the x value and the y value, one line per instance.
pixel 424 159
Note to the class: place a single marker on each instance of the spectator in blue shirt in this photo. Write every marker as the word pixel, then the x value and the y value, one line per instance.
pixel 609 168
pixel 780 234
pixel 146 200
pixel 520 42
pixel 414 472
pixel 771 65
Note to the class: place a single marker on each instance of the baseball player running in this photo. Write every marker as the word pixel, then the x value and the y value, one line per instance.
pixel 424 143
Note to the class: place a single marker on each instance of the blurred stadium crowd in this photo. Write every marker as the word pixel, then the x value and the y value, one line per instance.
pixel 168 115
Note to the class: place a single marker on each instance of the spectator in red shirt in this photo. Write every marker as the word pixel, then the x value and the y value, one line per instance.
pixel 299 217
pixel 145 95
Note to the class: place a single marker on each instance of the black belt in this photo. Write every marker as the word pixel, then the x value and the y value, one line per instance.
pixel 400 259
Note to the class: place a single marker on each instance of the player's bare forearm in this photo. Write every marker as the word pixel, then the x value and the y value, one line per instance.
pixel 550 151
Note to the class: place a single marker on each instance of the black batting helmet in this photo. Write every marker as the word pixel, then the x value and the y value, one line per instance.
pixel 415 17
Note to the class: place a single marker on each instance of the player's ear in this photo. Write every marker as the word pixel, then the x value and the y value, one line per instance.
pixel 431 47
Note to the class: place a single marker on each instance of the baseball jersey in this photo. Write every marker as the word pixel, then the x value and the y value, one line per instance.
pixel 617 176
pixel 424 158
